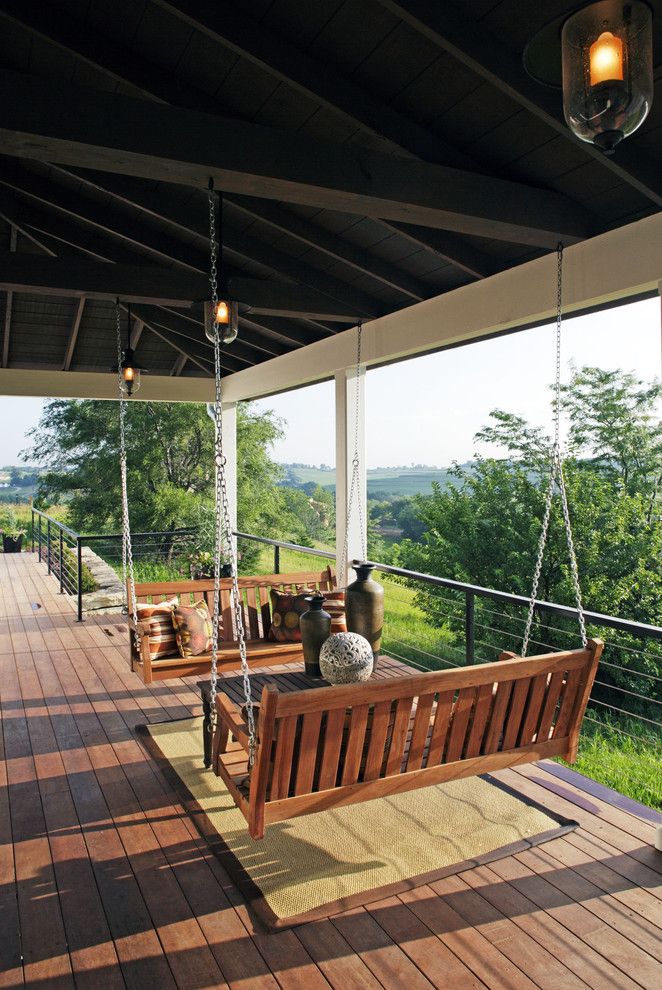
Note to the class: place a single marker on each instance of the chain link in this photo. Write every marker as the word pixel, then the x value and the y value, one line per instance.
pixel 222 524
pixel 556 478
pixel 355 483
pixel 130 600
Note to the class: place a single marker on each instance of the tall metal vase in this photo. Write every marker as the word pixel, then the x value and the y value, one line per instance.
pixel 315 625
pixel 364 606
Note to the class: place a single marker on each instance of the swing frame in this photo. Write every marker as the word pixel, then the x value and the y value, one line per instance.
pixel 329 747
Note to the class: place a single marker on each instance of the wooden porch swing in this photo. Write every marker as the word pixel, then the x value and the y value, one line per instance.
pixel 313 750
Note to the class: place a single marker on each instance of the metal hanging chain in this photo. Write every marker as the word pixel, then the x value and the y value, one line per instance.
pixel 222 525
pixel 354 487
pixel 131 603
pixel 556 478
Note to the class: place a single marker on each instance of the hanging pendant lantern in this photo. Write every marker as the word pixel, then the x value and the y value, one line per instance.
pixel 130 372
pixel 222 313
pixel 607 57
pixel 128 368
pixel 602 56
pixel 222 317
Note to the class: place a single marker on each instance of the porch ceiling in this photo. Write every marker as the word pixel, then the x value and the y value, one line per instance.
pixel 366 169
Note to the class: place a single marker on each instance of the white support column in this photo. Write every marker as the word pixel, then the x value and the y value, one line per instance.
pixel 349 427
pixel 229 424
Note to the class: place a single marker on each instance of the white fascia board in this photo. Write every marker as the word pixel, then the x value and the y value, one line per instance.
pixel 623 262
pixel 94 385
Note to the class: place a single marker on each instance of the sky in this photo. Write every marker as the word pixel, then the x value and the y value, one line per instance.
pixel 427 410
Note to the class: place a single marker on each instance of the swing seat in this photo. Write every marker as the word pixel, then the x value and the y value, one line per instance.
pixel 256 598
pixel 333 746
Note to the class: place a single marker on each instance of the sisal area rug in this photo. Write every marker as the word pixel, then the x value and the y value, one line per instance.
pixel 312 867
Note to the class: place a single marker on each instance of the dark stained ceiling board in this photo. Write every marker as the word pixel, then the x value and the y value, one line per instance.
pixel 425 82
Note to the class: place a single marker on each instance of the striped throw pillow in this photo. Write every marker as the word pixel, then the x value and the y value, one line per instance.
pixel 162 642
pixel 334 604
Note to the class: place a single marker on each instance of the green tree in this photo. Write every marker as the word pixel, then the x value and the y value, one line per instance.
pixel 170 465
pixel 484 528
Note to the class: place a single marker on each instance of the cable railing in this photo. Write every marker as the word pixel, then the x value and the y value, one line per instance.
pixel 448 623
pixel 455 623
pixel 61 549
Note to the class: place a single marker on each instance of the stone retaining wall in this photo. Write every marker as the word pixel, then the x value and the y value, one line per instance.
pixel 109 596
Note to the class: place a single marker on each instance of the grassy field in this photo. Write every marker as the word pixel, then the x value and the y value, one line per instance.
pixel 381 482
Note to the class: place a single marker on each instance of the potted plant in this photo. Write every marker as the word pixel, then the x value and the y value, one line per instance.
pixel 200 564
pixel 12 534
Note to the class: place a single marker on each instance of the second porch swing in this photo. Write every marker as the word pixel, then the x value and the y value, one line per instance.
pixel 313 750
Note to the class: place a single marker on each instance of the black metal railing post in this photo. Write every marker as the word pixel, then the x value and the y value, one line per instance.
pixel 39 545
pixel 79 577
pixel 32 529
pixel 48 546
pixel 469 632
pixel 276 560
pixel 61 563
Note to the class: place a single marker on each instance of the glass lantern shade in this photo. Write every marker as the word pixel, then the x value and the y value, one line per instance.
pixel 130 373
pixel 607 60
pixel 223 320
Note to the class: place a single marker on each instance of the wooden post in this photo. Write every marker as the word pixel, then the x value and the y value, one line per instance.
pixel 347 430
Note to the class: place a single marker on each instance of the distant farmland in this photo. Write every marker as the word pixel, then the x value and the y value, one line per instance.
pixel 381 482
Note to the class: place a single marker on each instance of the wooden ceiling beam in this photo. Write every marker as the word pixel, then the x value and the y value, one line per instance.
pixel 58 122
pixel 73 334
pixel 490 59
pixel 118 225
pixel 225 23
pixel 178 366
pixel 98 280
pixel 458 251
pixel 9 304
pixel 318 82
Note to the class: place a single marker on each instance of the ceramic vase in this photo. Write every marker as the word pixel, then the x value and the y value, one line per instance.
pixel 315 625
pixel 364 607
pixel 346 658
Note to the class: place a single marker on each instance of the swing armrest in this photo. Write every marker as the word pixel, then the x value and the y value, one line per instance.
pixel 231 717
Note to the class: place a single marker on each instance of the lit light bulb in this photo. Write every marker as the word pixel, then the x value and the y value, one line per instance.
pixel 222 314
pixel 606 59
pixel 129 374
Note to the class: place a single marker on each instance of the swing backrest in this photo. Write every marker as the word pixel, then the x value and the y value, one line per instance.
pixel 337 745
pixel 255 591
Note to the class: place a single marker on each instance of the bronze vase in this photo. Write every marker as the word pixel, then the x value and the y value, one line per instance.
pixel 315 625
pixel 364 606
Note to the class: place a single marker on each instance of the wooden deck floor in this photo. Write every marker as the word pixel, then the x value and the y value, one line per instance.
pixel 104 881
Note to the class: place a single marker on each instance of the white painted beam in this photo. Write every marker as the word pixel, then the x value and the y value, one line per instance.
pixel 56 384
pixel 351 520
pixel 603 269
pixel 229 426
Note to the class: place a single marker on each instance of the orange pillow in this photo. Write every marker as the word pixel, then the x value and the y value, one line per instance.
pixel 161 639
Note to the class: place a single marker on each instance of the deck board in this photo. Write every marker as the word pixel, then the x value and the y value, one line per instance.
pixel 104 880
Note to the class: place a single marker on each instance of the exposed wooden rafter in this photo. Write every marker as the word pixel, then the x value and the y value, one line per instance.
pixel 490 59
pixel 178 366
pixel 71 125
pixel 273 54
pixel 73 334
pixel 141 235
pixel 9 303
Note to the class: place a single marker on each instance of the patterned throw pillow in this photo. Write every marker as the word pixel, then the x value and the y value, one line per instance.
pixel 162 642
pixel 286 609
pixel 193 629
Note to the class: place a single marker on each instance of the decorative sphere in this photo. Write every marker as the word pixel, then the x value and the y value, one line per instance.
pixel 346 657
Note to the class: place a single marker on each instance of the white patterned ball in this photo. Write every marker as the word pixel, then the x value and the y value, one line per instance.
pixel 346 657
